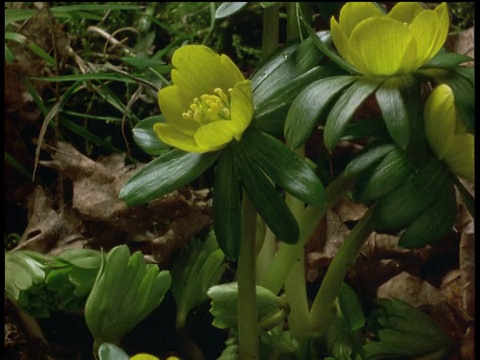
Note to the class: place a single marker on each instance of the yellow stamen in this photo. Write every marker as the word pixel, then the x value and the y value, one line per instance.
pixel 210 107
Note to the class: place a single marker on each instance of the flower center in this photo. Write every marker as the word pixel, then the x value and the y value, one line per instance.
pixel 209 108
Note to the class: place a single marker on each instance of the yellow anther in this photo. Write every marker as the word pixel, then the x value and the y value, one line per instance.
pixel 209 107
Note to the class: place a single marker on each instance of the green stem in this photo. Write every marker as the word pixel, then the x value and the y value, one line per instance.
pixel 293 31
pixel 247 300
pixel 287 255
pixel 338 269
pixel 266 254
pixel 296 295
pixel 270 30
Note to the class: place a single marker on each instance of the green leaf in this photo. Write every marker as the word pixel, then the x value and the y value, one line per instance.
pixel 383 178
pixel 265 198
pixel 400 207
pixel 229 8
pixel 344 109
pixel 350 308
pixel 199 266
pixel 224 305
pixel 307 107
pixel 23 269
pixel 367 159
pixel 108 351
pixel 391 102
pixel 403 331
pixel 284 166
pixel 227 204
pixel 323 41
pixel 280 69
pixel 464 92
pixel 164 175
pixel 126 290
pixel 146 138
pixel 434 223
pixel 270 115
pixel 446 59
pixel 21 39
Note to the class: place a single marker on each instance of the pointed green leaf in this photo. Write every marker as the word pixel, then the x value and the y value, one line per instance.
pixel 434 223
pixel 270 116
pixel 383 178
pixel 265 198
pixel 391 103
pixel 284 166
pixel 227 204
pixel 344 109
pixel 164 175
pixel 307 107
pixel 368 158
pixel 198 267
pixel 229 8
pixel 399 208
pixel 146 138
pixel 281 69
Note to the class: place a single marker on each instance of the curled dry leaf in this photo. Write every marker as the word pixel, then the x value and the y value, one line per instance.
pixel 95 217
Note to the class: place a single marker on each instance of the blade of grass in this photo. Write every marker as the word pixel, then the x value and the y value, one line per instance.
pixel 21 39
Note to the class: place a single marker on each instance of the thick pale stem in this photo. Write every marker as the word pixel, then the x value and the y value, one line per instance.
pixel 342 262
pixel 247 300
pixel 287 254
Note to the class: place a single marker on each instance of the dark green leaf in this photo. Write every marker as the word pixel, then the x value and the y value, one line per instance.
pixel 404 331
pixel 391 103
pixel 280 69
pixel 227 204
pixel 344 109
pixel 373 127
pixel 383 178
pixel 146 138
pixel 309 105
pixel 270 116
pixel 323 42
pixel 369 158
pixel 284 166
pixel 266 200
pixel 399 208
pixel 165 174
pixel 446 59
pixel 434 223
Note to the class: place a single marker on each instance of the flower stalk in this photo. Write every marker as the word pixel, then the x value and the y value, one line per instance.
pixel 247 306
pixel 338 269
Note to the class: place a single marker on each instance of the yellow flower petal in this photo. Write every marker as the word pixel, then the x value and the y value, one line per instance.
pixel 241 107
pixel 406 12
pixel 352 13
pixel 173 105
pixel 439 120
pixel 200 70
pixel 460 158
pixel 209 104
pixel 429 35
pixel 399 42
pixel 392 51
pixel 144 357
pixel 176 138
pixel 214 136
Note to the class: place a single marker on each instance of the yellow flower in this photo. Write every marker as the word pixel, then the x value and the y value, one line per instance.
pixel 209 104
pixel 399 42
pixel 143 356
pixel 447 134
